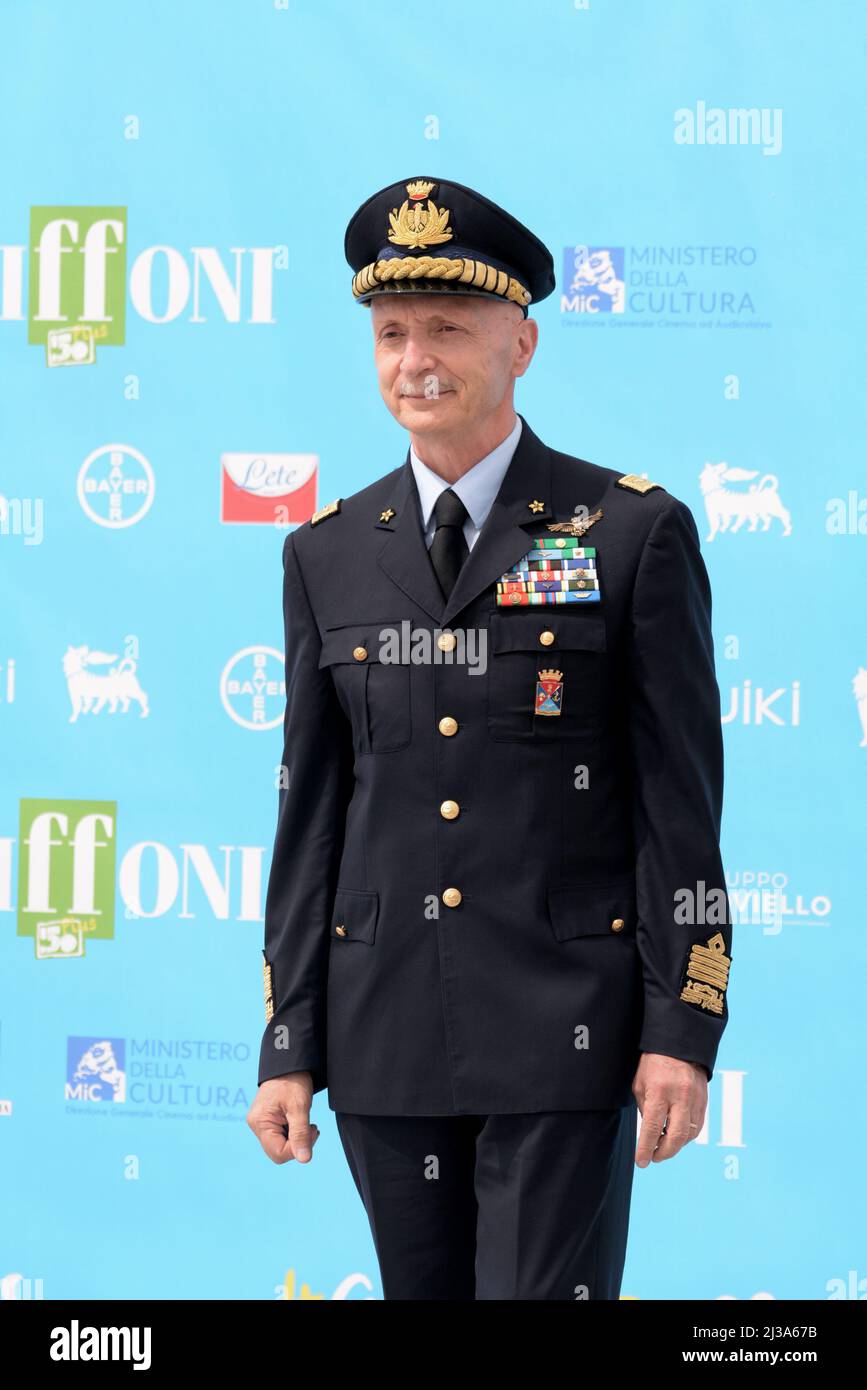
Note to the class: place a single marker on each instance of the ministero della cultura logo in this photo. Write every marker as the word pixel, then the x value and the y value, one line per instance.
pixel 664 284
pixel 74 294
pixel 660 286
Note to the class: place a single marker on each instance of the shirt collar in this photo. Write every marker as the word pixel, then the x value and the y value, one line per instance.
pixel 477 488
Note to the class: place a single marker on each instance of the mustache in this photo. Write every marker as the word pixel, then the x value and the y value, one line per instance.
pixel 432 386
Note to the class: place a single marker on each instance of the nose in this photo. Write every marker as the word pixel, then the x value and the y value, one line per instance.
pixel 417 359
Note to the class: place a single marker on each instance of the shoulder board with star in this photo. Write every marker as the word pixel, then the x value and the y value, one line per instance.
pixel 331 510
pixel 633 482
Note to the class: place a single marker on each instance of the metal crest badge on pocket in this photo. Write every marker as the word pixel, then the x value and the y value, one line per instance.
pixel 549 692
pixel 554 571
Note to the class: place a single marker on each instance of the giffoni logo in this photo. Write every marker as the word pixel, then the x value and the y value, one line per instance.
pixel 77 291
pixel 77 271
pixel 66 874
pixel 68 886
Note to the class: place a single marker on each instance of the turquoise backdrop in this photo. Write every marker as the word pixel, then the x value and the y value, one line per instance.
pixel 179 347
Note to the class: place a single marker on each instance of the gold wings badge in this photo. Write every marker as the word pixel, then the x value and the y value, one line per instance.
pixel 576 528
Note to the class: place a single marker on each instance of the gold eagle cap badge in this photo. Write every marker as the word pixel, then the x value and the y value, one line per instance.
pixel 576 528
pixel 415 226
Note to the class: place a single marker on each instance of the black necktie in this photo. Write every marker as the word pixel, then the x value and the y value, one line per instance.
pixel 449 548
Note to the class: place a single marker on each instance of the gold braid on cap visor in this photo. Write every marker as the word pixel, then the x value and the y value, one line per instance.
pixel 461 269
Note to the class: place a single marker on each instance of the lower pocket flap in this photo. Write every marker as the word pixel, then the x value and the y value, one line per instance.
pixel 354 916
pixel 600 909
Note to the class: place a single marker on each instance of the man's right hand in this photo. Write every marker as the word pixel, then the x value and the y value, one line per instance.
pixel 283 1103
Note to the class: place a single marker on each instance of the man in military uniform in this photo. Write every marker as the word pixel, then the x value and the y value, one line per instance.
pixel 496 920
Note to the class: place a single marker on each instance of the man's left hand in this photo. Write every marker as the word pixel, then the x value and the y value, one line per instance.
pixel 672 1098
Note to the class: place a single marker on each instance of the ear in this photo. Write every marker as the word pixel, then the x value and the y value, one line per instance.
pixel 528 338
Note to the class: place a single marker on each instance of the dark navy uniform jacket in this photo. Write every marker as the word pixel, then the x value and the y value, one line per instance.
pixel 566 955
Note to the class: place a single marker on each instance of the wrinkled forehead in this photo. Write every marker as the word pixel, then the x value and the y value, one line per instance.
pixel 427 310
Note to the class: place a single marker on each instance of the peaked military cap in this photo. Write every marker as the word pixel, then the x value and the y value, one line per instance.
pixel 430 236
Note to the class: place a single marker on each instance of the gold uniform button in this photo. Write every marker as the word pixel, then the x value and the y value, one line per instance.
pixel 448 726
pixel 618 924
pixel 546 637
pixel 447 641
pixel 452 897
pixel 341 930
pixel 449 810
pixel 360 653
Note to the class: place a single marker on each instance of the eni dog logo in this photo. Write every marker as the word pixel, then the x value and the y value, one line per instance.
pixel 728 509
pixel 91 690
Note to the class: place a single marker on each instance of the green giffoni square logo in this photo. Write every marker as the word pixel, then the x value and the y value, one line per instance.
pixel 77 272
pixel 66 874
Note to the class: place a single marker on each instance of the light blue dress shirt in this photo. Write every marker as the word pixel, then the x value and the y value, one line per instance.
pixel 477 488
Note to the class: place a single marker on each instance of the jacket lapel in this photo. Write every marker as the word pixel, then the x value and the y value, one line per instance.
pixel 502 540
pixel 404 556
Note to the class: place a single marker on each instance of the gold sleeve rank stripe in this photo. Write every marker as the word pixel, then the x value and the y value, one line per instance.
pixel 267 980
pixel 331 510
pixel 707 975
pixel 635 483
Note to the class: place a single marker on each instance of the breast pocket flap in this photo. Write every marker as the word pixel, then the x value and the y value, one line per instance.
pixel 520 632
pixel 356 644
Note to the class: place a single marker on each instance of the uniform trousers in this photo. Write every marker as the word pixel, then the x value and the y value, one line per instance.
pixel 526 1206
